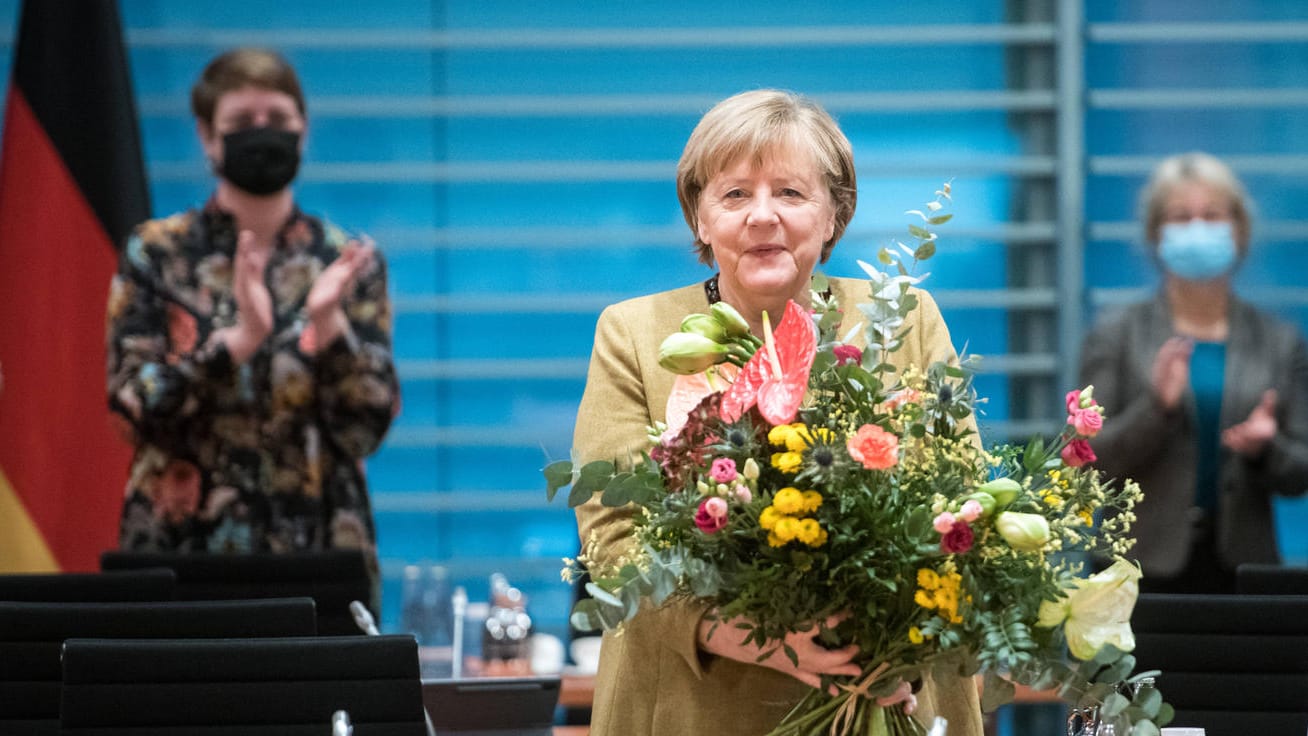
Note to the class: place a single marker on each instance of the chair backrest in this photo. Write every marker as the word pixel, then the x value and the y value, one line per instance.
pixel 32 636
pixel 146 584
pixel 1251 579
pixel 332 578
pixel 1233 664
pixel 252 687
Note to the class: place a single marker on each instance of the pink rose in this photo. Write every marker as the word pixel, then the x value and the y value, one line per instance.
pixel 970 511
pixel 1078 453
pixel 723 470
pixel 743 494
pixel 1086 422
pixel 1073 400
pixel 958 539
pixel 900 398
pixel 944 522
pixel 846 354
pixel 712 515
pixel 874 447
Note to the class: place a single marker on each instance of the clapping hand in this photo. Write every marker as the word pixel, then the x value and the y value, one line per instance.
pixel 814 659
pixel 1251 437
pixel 330 288
pixel 1171 373
pixel 254 317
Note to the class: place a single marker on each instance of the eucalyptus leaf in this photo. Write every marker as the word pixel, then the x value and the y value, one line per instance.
pixel 1114 704
pixel 579 495
pixel 557 475
pixel 616 493
pixel 1149 700
pixel 585 615
pixel 602 596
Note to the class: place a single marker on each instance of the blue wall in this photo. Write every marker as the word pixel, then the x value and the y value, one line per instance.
pixel 471 206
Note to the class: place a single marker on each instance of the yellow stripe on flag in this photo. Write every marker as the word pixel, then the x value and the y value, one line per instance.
pixel 22 548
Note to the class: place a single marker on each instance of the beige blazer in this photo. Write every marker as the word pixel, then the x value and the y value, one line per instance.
pixel 653 680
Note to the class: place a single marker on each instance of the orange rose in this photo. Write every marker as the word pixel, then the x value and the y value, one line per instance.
pixel 874 447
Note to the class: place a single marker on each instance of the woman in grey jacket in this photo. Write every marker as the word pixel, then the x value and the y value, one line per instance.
pixel 1208 396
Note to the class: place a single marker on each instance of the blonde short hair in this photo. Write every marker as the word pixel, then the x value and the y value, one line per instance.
pixel 1197 167
pixel 755 124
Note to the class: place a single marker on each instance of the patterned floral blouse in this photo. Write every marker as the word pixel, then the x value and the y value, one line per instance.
pixel 266 456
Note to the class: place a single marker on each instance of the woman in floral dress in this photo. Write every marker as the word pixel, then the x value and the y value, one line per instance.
pixel 249 345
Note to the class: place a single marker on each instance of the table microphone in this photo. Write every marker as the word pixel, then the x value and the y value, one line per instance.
pixel 364 620
pixel 459 602
pixel 341 724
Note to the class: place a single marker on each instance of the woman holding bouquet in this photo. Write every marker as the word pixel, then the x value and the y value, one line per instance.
pixel 767 186
pixel 1208 393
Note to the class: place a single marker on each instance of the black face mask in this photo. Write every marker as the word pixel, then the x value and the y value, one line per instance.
pixel 260 160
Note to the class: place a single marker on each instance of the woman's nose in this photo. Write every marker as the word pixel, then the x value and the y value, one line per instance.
pixel 763 210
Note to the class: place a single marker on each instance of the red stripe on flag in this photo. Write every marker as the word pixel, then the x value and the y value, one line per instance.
pixel 57 447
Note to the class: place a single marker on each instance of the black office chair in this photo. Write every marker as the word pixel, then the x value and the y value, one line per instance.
pixel 332 578
pixel 1253 579
pixel 1235 665
pixel 146 584
pixel 32 637
pixel 250 687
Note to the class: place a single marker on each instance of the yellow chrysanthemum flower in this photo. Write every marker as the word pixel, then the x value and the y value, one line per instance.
pixel 788 501
pixel 809 532
pixel 915 635
pixel 928 579
pixel 799 438
pixel 787 462
pixel 774 540
pixel 768 518
pixel 780 434
pixel 812 501
pixel 786 529
pixel 923 599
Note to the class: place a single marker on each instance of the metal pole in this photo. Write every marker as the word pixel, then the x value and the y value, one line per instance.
pixel 1070 155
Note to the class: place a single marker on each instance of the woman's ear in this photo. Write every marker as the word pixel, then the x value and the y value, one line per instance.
pixel 210 142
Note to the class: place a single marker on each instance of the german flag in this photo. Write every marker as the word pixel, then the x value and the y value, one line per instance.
pixel 71 187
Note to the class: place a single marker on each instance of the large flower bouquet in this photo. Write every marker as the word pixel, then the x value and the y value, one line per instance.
pixel 802 477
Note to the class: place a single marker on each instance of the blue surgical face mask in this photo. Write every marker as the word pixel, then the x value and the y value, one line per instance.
pixel 1197 250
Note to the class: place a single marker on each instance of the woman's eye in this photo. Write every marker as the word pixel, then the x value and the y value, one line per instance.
pixel 735 194
pixel 240 122
pixel 791 193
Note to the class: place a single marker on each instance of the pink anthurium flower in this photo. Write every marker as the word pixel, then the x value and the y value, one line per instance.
pixel 776 377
